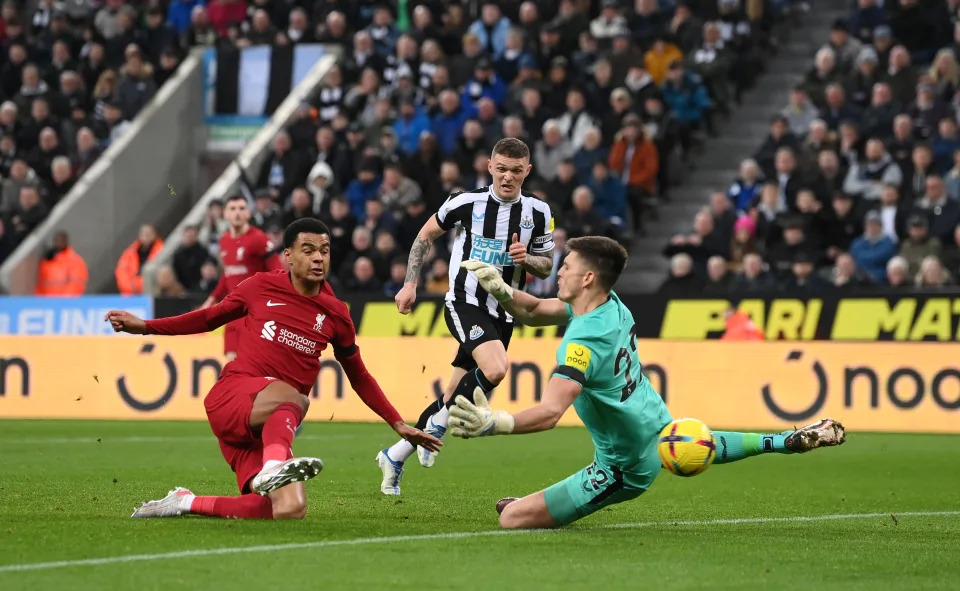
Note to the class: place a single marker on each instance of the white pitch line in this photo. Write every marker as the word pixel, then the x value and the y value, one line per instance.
pixel 149 439
pixel 32 566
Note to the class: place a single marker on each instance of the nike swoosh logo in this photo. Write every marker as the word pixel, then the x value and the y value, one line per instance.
pixel 272 304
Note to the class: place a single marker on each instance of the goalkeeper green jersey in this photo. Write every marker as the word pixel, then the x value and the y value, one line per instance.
pixel 619 407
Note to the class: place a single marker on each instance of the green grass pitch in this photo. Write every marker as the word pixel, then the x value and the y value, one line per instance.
pixel 884 509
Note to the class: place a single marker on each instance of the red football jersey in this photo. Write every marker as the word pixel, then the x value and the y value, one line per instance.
pixel 242 257
pixel 283 332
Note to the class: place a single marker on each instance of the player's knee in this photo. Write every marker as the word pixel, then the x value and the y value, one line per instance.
pixel 495 370
pixel 290 509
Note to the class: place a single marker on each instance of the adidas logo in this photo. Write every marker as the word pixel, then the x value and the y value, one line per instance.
pixel 476 332
pixel 269 330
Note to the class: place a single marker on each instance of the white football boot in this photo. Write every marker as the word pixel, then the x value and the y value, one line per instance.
pixel 427 457
pixel 276 474
pixel 176 503
pixel 392 474
pixel 823 433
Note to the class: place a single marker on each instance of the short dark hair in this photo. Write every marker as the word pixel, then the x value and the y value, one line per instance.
pixel 511 147
pixel 232 198
pixel 604 256
pixel 303 226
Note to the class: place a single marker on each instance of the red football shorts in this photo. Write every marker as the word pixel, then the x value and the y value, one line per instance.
pixel 228 406
pixel 231 336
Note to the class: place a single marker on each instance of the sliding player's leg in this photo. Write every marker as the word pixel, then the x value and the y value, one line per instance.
pixel 581 494
pixel 733 446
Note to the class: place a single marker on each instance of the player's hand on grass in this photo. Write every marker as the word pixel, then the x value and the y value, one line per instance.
pixel 517 251
pixel 417 437
pixel 490 280
pixel 406 297
pixel 125 322
pixel 477 419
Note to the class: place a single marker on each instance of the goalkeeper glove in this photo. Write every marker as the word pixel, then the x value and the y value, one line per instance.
pixel 490 280
pixel 477 419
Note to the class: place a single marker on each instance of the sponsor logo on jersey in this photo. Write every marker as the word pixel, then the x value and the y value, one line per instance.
pixel 231 270
pixel 577 356
pixel 478 217
pixel 542 239
pixel 269 330
pixel 491 251
pixel 319 325
pixel 526 223
pixel 288 338
pixel 476 332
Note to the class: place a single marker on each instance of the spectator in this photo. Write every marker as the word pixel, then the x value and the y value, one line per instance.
pixel 933 275
pixel 634 159
pixel 942 214
pixel 167 285
pixel 703 243
pixel 491 29
pixel 743 242
pixel 322 186
pixel 898 272
pixel 189 258
pixel 845 46
pixel 377 221
pixel 589 154
pixel 718 278
pixel 688 100
pixel 362 280
pixel 921 166
pixel 865 18
pixel 724 216
pixel 143 250
pixel 410 125
pixel 918 244
pixel 136 86
pixel 878 119
pixel 950 254
pixel 209 277
pixel 438 280
pixel 297 207
pixel 802 278
pixel 902 78
pixel 867 179
pixel 398 274
pixel 753 278
pixel 213 227
pixel 283 169
pixel 447 125
pixel 682 281
pixel 892 213
pixel 470 144
pixel 873 250
pixel 484 84
pixel 610 195
pixel 61 181
pixel 859 84
pixel 945 144
pixel 362 189
pixel 745 191
pixel 713 62
pixel 662 57
pixel 550 151
pixel 800 112
pixel 62 272
pixel 582 220
pixel 576 121
pixel 927 111
pixel 342 225
pixel 823 73
pixel 361 245
pixel 952 178
pixel 836 108
pixel 413 219
pixel 846 275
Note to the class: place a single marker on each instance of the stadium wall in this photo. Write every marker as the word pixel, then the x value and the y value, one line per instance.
pixel 250 159
pixel 147 175
pixel 889 387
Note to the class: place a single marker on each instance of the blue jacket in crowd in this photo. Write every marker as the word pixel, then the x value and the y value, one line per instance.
pixel 358 193
pixel 498 32
pixel 689 101
pixel 449 128
pixel 408 132
pixel 872 256
pixel 609 198
pixel 178 14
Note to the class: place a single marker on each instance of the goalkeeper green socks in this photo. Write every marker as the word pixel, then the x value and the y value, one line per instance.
pixel 733 446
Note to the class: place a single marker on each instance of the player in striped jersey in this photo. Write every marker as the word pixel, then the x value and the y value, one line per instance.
pixel 498 225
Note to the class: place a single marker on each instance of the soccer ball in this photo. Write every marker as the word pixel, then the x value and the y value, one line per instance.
pixel 686 447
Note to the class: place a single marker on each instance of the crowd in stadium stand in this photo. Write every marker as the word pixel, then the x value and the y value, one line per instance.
pixel 603 92
pixel 72 77
pixel 858 182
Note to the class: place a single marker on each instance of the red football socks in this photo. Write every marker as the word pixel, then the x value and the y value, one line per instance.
pixel 279 430
pixel 249 506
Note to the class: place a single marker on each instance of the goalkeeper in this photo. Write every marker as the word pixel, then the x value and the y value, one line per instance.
pixel 598 372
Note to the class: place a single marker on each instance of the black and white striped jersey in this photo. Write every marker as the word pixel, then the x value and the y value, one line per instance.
pixel 485 225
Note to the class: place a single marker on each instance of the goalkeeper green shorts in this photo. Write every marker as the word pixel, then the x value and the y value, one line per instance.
pixel 593 488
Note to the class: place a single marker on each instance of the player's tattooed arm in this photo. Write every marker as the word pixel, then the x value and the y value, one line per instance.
pixel 415 262
pixel 540 265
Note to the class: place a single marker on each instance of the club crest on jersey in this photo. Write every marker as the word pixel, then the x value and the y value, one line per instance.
pixel 476 332
pixel 478 217
pixel 240 253
pixel 319 325
pixel 526 223
pixel 490 251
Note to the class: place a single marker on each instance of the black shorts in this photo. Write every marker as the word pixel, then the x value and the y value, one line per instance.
pixel 473 326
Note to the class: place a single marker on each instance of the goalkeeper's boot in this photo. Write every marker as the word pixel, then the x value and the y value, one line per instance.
pixel 175 504
pixel 392 474
pixel 427 457
pixel 823 433
pixel 277 474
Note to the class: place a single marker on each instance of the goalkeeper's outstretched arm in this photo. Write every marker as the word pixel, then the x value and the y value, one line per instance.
pixel 477 419
pixel 529 309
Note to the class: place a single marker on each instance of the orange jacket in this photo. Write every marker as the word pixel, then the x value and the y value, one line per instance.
pixel 643 166
pixel 63 275
pixel 741 328
pixel 656 64
pixel 127 272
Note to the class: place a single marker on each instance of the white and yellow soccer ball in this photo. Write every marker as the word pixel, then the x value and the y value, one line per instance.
pixel 686 447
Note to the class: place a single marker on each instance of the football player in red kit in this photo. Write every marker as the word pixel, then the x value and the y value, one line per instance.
pixel 287 321
pixel 244 252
